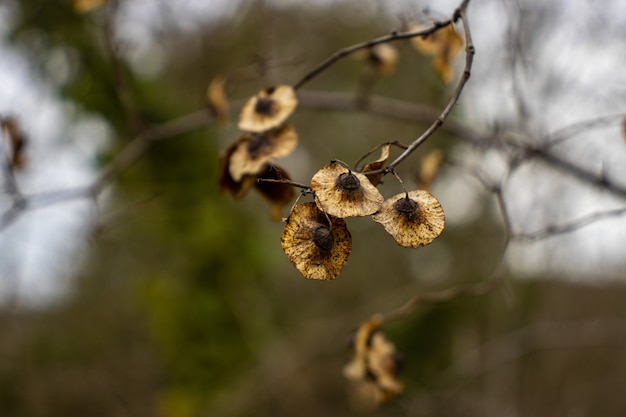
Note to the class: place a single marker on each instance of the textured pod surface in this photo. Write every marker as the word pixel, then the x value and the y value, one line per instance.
pixel 414 221
pixel 254 150
pixel 342 193
pixel 318 245
pixel 268 109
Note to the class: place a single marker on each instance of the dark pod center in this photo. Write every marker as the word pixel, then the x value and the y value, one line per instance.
pixel 255 143
pixel 323 238
pixel 264 105
pixel 347 182
pixel 408 208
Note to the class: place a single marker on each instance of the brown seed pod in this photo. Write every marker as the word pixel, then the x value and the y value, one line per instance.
pixel 375 363
pixel 383 57
pixel 254 150
pixel 317 244
pixel 237 188
pixel 217 101
pixel 413 220
pixel 268 108
pixel 443 45
pixel 278 194
pixel 343 193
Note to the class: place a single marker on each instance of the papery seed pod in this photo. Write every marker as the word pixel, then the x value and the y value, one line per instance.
pixel 413 219
pixel 237 188
pixel 254 150
pixel 443 45
pixel 317 244
pixel 383 57
pixel 17 142
pixel 343 193
pixel 374 365
pixel 217 101
pixel 268 108
pixel 278 194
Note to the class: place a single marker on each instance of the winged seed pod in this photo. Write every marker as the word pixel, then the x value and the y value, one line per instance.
pixel 374 365
pixel 413 219
pixel 383 58
pixel 318 245
pixel 254 150
pixel 343 193
pixel 267 109
pixel 278 194
pixel 443 45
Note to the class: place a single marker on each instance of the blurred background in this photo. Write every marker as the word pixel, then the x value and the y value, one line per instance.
pixel 160 296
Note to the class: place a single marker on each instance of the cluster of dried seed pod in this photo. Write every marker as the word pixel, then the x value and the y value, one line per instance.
pixel 374 366
pixel 266 138
pixel 316 239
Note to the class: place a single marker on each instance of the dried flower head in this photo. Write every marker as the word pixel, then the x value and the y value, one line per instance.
pixel 268 108
pixel 254 150
pixel 383 57
pixel 317 244
pixel 377 165
pixel 278 194
pixel 444 45
pixel 414 219
pixel 217 101
pixel 343 193
pixel 375 364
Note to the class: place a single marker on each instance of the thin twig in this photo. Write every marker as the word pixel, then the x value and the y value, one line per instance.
pixel 570 226
pixel 568 132
pixel 460 13
pixel 393 36
pixel 305 187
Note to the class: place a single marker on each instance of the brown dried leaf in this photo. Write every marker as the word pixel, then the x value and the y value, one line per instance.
pixel 254 150
pixel 343 193
pixel 216 98
pixel 376 165
pixel 268 108
pixel 278 194
pixel 412 221
pixel 317 248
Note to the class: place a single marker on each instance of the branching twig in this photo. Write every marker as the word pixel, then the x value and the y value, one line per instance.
pixel 393 36
pixel 570 226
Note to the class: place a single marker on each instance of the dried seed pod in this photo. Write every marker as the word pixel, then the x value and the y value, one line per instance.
pixel 343 193
pixel 413 219
pixel 237 188
pixel 278 194
pixel 383 57
pixel 444 45
pixel 254 150
pixel 317 244
pixel 17 141
pixel 217 101
pixel 268 108
pixel 374 365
